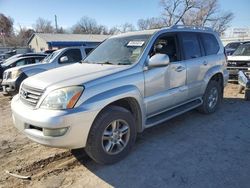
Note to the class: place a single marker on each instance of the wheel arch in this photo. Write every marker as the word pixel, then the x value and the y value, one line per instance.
pixel 133 106
pixel 216 74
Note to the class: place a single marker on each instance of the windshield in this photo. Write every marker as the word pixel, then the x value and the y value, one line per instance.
pixel 119 50
pixel 233 45
pixel 48 58
pixel 242 50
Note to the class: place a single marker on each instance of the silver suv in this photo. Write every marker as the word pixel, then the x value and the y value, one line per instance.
pixel 130 82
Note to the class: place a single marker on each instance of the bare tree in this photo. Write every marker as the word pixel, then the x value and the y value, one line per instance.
pixel 207 13
pixel 150 23
pixel 6 25
pixel 61 30
pixel 189 12
pixel 174 10
pixel 127 27
pixel 222 23
pixel 114 30
pixel 88 25
pixel 43 26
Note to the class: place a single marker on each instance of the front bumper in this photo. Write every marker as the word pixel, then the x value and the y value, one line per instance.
pixel 78 121
pixel 9 86
pixel 233 72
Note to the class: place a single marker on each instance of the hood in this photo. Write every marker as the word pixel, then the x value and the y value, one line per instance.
pixel 24 68
pixel 74 74
pixel 238 58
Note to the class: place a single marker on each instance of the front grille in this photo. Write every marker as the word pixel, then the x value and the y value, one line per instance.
pixel 238 64
pixel 29 95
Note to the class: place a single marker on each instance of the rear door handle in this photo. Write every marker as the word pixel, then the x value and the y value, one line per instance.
pixel 179 69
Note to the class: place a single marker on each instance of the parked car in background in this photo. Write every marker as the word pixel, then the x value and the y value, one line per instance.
pixel 12 78
pixel 244 83
pixel 239 60
pixel 231 47
pixel 25 55
pixel 20 60
pixel 130 82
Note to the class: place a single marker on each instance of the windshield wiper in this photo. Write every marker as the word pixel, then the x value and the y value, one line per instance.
pixel 106 63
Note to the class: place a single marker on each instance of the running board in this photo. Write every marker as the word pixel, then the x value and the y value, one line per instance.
pixel 172 113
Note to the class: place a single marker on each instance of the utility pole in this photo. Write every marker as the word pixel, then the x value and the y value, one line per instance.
pixel 56 23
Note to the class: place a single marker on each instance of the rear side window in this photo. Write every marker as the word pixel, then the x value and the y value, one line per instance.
pixel 30 61
pixel 38 59
pixel 191 45
pixel 210 44
pixel 73 55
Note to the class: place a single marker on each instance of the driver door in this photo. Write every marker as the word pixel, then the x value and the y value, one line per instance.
pixel 165 87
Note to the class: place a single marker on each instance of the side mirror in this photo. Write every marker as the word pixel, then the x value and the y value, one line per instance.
pixel 158 60
pixel 64 59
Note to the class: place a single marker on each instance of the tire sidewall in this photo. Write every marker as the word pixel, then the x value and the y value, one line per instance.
pixel 212 84
pixel 94 144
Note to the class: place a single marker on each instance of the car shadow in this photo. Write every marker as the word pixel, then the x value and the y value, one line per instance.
pixel 178 152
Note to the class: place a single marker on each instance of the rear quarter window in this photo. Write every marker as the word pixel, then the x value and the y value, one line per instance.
pixel 210 43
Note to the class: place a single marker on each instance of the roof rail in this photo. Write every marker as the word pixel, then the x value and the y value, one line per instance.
pixel 191 27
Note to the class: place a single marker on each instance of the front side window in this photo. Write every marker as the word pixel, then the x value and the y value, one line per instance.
pixel 242 50
pixel 73 55
pixel 124 50
pixel 88 50
pixel 165 45
pixel 191 45
pixel 21 62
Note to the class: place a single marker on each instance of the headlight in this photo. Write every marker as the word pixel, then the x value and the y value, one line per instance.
pixel 63 98
pixel 14 74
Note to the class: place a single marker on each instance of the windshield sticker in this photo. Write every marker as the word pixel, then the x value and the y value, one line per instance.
pixel 136 43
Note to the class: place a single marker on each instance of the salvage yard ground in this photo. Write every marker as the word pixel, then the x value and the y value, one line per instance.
pixel 192 150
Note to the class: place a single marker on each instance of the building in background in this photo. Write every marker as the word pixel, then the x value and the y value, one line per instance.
pixel 236 35
pixel 40 42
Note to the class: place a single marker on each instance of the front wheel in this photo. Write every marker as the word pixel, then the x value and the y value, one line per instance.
pixel 212 98
pixel 112 135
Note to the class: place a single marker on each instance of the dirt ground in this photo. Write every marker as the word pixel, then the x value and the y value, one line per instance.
pixel 192 150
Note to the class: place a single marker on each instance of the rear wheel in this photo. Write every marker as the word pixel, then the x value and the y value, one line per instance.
pixel 247 94
pixel 112 135
pixel 212 98
pixel 240 89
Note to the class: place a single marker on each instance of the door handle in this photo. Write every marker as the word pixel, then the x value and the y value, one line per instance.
pixel 179 69
pixel 205 63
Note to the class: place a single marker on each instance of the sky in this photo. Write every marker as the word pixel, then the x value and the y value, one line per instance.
pixel 106 12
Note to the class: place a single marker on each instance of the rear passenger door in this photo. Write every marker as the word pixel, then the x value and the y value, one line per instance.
pixel 196 64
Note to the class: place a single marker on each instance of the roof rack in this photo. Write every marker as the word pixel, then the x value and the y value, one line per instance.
pixel 191 27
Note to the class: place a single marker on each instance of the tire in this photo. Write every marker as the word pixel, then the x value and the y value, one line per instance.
pixel 97 146
pixel 240 89
pixel 247 95
pixel 206 107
